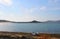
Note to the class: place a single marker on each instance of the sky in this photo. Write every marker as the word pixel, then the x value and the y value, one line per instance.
pixel 28 10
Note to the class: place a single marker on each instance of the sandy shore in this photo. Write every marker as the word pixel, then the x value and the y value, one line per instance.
pixel 24 35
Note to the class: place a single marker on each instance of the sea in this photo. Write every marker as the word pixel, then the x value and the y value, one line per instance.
pixel 31 27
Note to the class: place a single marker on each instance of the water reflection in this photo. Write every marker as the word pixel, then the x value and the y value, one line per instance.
pixel 31 27
pixel 4 26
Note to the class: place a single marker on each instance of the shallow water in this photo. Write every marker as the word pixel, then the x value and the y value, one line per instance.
pixel 31 27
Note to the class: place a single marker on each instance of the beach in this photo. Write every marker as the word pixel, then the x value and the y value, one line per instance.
pixel 24 35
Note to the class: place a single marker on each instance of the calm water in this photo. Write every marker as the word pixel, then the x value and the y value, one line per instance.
pixel 31 27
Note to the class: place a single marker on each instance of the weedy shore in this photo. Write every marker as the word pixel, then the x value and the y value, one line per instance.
pixel 24 35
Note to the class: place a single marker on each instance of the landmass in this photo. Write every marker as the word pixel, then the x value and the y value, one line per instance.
pixel 4 21
pixel 58 21
pixel 34 21
pixel 24 35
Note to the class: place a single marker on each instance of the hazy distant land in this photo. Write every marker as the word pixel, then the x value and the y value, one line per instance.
pixel 34 21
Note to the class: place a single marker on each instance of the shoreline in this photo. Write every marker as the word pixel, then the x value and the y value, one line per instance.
pixel 28 35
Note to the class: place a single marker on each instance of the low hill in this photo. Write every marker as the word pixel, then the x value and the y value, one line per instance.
pixel 5 21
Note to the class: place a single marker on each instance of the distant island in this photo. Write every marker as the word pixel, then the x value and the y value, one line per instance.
pixel 5 21
pixel 58 21
pixel 34 21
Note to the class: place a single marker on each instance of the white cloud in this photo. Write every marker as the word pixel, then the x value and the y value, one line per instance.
pixel 18 18
pixel 1 13
pixel 26 14
pixel 43 8
pixel 13 17
pixel 53 1
pixel 56 1
pixel 6 2
pixel 26 11
pixel 53 4
pixel 55 8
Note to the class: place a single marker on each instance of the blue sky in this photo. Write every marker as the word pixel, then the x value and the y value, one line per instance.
pixel 28 10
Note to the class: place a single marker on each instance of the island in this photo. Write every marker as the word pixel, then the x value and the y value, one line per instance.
pixel 34 21
pixel 4 21
pixel 49 21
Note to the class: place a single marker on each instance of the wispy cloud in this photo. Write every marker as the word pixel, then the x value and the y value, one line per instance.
pixel 23 11
pixel 43 8
pixel 1 13
pixel 53 1
pixel 6 2
pixel 55 8
pixel 28 11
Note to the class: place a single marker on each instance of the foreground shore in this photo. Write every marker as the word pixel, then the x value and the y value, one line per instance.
pixel 24 35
